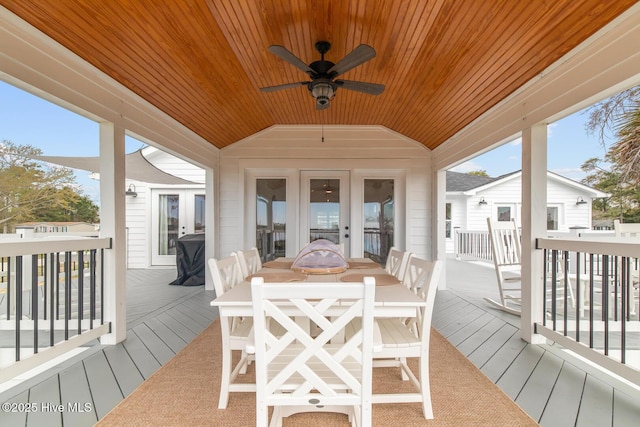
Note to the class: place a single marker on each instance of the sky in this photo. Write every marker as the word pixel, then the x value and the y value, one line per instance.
pixel 26 119
pixel 568 147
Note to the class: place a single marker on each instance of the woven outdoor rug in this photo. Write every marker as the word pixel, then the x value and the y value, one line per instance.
pixel 184 392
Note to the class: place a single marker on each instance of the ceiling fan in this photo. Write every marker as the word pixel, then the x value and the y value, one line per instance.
pixel 323 85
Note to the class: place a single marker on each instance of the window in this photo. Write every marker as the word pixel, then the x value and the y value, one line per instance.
pixel 447 220
pixel 552 217
pixel 504 213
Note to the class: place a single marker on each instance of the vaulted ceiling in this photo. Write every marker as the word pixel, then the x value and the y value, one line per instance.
pixel 203 62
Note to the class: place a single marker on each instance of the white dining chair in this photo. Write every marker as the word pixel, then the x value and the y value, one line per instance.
pixel 397 262
pixel 298 372
pixel 402 339
pixel 226 274
pixel 250 261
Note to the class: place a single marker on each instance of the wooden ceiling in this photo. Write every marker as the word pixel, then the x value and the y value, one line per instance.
pixel 443 62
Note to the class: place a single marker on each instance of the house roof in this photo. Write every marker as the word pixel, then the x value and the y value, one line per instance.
pixel 463 182
pixel 457 181
pixel 203 62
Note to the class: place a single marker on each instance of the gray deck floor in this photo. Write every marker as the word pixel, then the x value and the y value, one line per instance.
pixel 162 319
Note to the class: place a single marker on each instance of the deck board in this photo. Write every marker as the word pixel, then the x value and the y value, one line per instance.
pixel 144 360
pixel 177 327
pixel 105 391
pixel 535 393
pixel 74 390
pixel 126 372
pixel 170 338
pixel 564 400
pixel 515 377
pixel 491 345
pixel 596 406
pixel 45 396
pixel 14 417
pixel 472 343
pixel 158 348
pixel 496 367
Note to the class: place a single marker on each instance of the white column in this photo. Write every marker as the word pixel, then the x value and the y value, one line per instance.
pixel 534 217
pixel 112 224
pixel 210 224
pixel 438 222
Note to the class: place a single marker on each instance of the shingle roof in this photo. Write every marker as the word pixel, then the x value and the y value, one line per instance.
pixel 457 181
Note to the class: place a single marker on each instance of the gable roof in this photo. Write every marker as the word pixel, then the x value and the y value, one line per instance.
pixel 458 181
pixel 463 182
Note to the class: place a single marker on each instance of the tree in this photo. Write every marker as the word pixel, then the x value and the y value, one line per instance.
pixel 480 172
pixel 624 202
pixel 28 188
pixel 619 117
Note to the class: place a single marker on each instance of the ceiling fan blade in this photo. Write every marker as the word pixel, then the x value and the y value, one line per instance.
pixel 370 88
pixel 357 56
pixel 284 86
pixel 285 54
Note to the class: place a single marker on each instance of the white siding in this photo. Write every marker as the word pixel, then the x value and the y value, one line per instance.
pixel 139 209
pixel 354 148
pixel 138 228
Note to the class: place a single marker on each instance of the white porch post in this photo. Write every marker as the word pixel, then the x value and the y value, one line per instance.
pixel 112 224
pixel 438 228
pixel 210 231
pixel 534 215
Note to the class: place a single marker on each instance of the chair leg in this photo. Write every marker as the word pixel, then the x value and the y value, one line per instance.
pixel 403 362
pixel 225 378
pixel 425 388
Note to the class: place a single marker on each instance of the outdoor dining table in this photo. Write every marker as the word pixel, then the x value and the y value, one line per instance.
pixel 391 300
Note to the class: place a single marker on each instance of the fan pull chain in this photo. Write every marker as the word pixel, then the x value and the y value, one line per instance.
pixel 322 126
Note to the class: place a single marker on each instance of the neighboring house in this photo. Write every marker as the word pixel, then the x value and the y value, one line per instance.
pixel 44 227
pixel 471 199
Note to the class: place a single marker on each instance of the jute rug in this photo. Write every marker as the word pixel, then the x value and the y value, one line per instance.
pixel 185 391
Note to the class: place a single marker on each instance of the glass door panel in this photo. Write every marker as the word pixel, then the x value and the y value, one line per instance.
pixel 175 213
pixel 379 218
pixel 271 209
pixel 168 223
pixel 324 213
pixel 198 213
pixel 324 210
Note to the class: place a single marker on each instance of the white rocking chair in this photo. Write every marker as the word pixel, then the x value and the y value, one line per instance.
pixel 506 251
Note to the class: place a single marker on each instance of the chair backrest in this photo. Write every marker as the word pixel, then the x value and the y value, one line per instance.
pixel 226 273
pixel 505 242
pixel 418 274
pixel 250 261
pixel 298 369
pixel 397 262
pixel 422 278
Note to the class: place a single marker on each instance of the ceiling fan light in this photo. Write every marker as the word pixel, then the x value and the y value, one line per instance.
pixel 323 93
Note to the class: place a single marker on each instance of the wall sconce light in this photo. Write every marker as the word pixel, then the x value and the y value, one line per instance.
pixel 131 191
pixel 581 201
pixel 482 201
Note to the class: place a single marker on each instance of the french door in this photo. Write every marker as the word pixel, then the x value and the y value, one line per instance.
pixel 175 213
pixel 324 207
